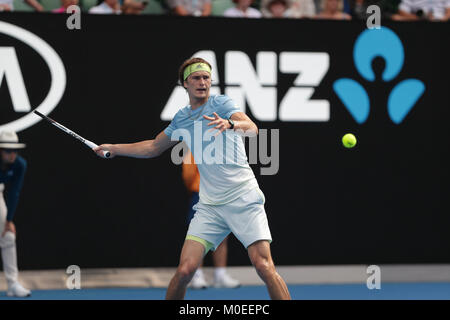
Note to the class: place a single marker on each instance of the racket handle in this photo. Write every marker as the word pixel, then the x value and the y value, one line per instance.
pixel 92 145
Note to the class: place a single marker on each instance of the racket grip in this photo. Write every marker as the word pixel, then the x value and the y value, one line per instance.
pixel 92 145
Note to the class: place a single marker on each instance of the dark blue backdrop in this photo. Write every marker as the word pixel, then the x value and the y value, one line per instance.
pixel 385 201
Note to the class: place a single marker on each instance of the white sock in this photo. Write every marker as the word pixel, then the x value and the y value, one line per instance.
pixel 219 272
pixel 198 273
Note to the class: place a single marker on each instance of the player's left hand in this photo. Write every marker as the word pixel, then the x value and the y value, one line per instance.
pixel 9 226
pixel 220 124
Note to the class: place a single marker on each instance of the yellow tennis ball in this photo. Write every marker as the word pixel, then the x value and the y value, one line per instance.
pixel 349 140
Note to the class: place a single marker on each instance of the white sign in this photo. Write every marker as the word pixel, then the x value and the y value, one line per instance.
pixel 10 70
pixel 258 88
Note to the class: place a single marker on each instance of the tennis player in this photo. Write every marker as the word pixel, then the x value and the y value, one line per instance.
pixel 230 198
pixel 222 279
pixel 12 172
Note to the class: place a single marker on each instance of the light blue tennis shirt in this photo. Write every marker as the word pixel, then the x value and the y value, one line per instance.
pixel 222 162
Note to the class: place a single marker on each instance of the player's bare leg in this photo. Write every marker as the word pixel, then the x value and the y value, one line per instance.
pixel 220 255
pixel 190 259
pixel 259 253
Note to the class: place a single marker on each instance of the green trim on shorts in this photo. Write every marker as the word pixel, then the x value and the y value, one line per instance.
pixel 208 245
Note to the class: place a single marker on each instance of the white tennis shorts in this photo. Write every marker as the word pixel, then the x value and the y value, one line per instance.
pixel 245 217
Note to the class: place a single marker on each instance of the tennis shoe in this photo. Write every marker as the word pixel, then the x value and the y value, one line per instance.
pixel 17 290
pixel 226 281
pixel 198 282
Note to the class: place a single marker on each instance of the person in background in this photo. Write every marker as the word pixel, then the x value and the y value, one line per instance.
pixel 447 11
pixel 276 9
pixel 413 10
pixel 358 8
pixel 12 173
pixel 222 279
pixel 333 9
pixel 133 7
pixel 303 9
pixel 190 7
pixel 64 5
pixel 294 8
pixel 107 7
pixel 8 5
pixel 242 9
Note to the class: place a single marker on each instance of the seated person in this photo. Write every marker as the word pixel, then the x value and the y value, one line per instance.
pixel 295 8
pixel 275 8
pixel 412 10
pixel 107 7
pixel 64 5
pixel 242 9
pixel 8 5
pixel 333 9
pixel 133 7
pixel 190 7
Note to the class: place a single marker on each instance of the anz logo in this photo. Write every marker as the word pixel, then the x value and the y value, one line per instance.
pixel 258 88
pixel 386 44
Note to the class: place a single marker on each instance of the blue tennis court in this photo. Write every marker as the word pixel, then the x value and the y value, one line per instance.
pixel 388 291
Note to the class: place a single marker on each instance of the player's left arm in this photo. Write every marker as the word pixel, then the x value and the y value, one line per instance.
pixel 241 121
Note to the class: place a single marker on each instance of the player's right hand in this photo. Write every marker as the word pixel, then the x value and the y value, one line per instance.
pixel 104 147
pixel 9 226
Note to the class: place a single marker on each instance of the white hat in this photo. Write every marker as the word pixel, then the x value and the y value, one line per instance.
pixel 10 140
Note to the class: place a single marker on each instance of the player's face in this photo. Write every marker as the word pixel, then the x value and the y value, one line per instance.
pixel 198 84
pixel 8 156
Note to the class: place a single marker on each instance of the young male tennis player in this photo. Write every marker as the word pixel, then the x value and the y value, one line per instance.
pixel 230 198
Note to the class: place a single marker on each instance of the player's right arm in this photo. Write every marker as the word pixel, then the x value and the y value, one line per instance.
pixel 142 149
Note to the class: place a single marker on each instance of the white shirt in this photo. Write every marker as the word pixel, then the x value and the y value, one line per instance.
pixel 236 13
pixel 194 7
pixel 436 7
pixel 103 8
pixel 222 162
pixel 295 9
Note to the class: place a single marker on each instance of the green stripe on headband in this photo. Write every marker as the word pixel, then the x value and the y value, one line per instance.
pixel 200 66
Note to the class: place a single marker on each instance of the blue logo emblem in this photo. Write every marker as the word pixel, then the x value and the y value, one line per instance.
pixel 370 44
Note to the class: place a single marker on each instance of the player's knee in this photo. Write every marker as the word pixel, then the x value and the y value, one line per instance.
pixel 264 267
pixel 186 270
pixel 8 240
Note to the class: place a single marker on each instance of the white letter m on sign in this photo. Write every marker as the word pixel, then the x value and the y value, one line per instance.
pixel 10 70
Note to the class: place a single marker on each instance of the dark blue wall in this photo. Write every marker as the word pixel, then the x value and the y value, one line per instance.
pixel 385 201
